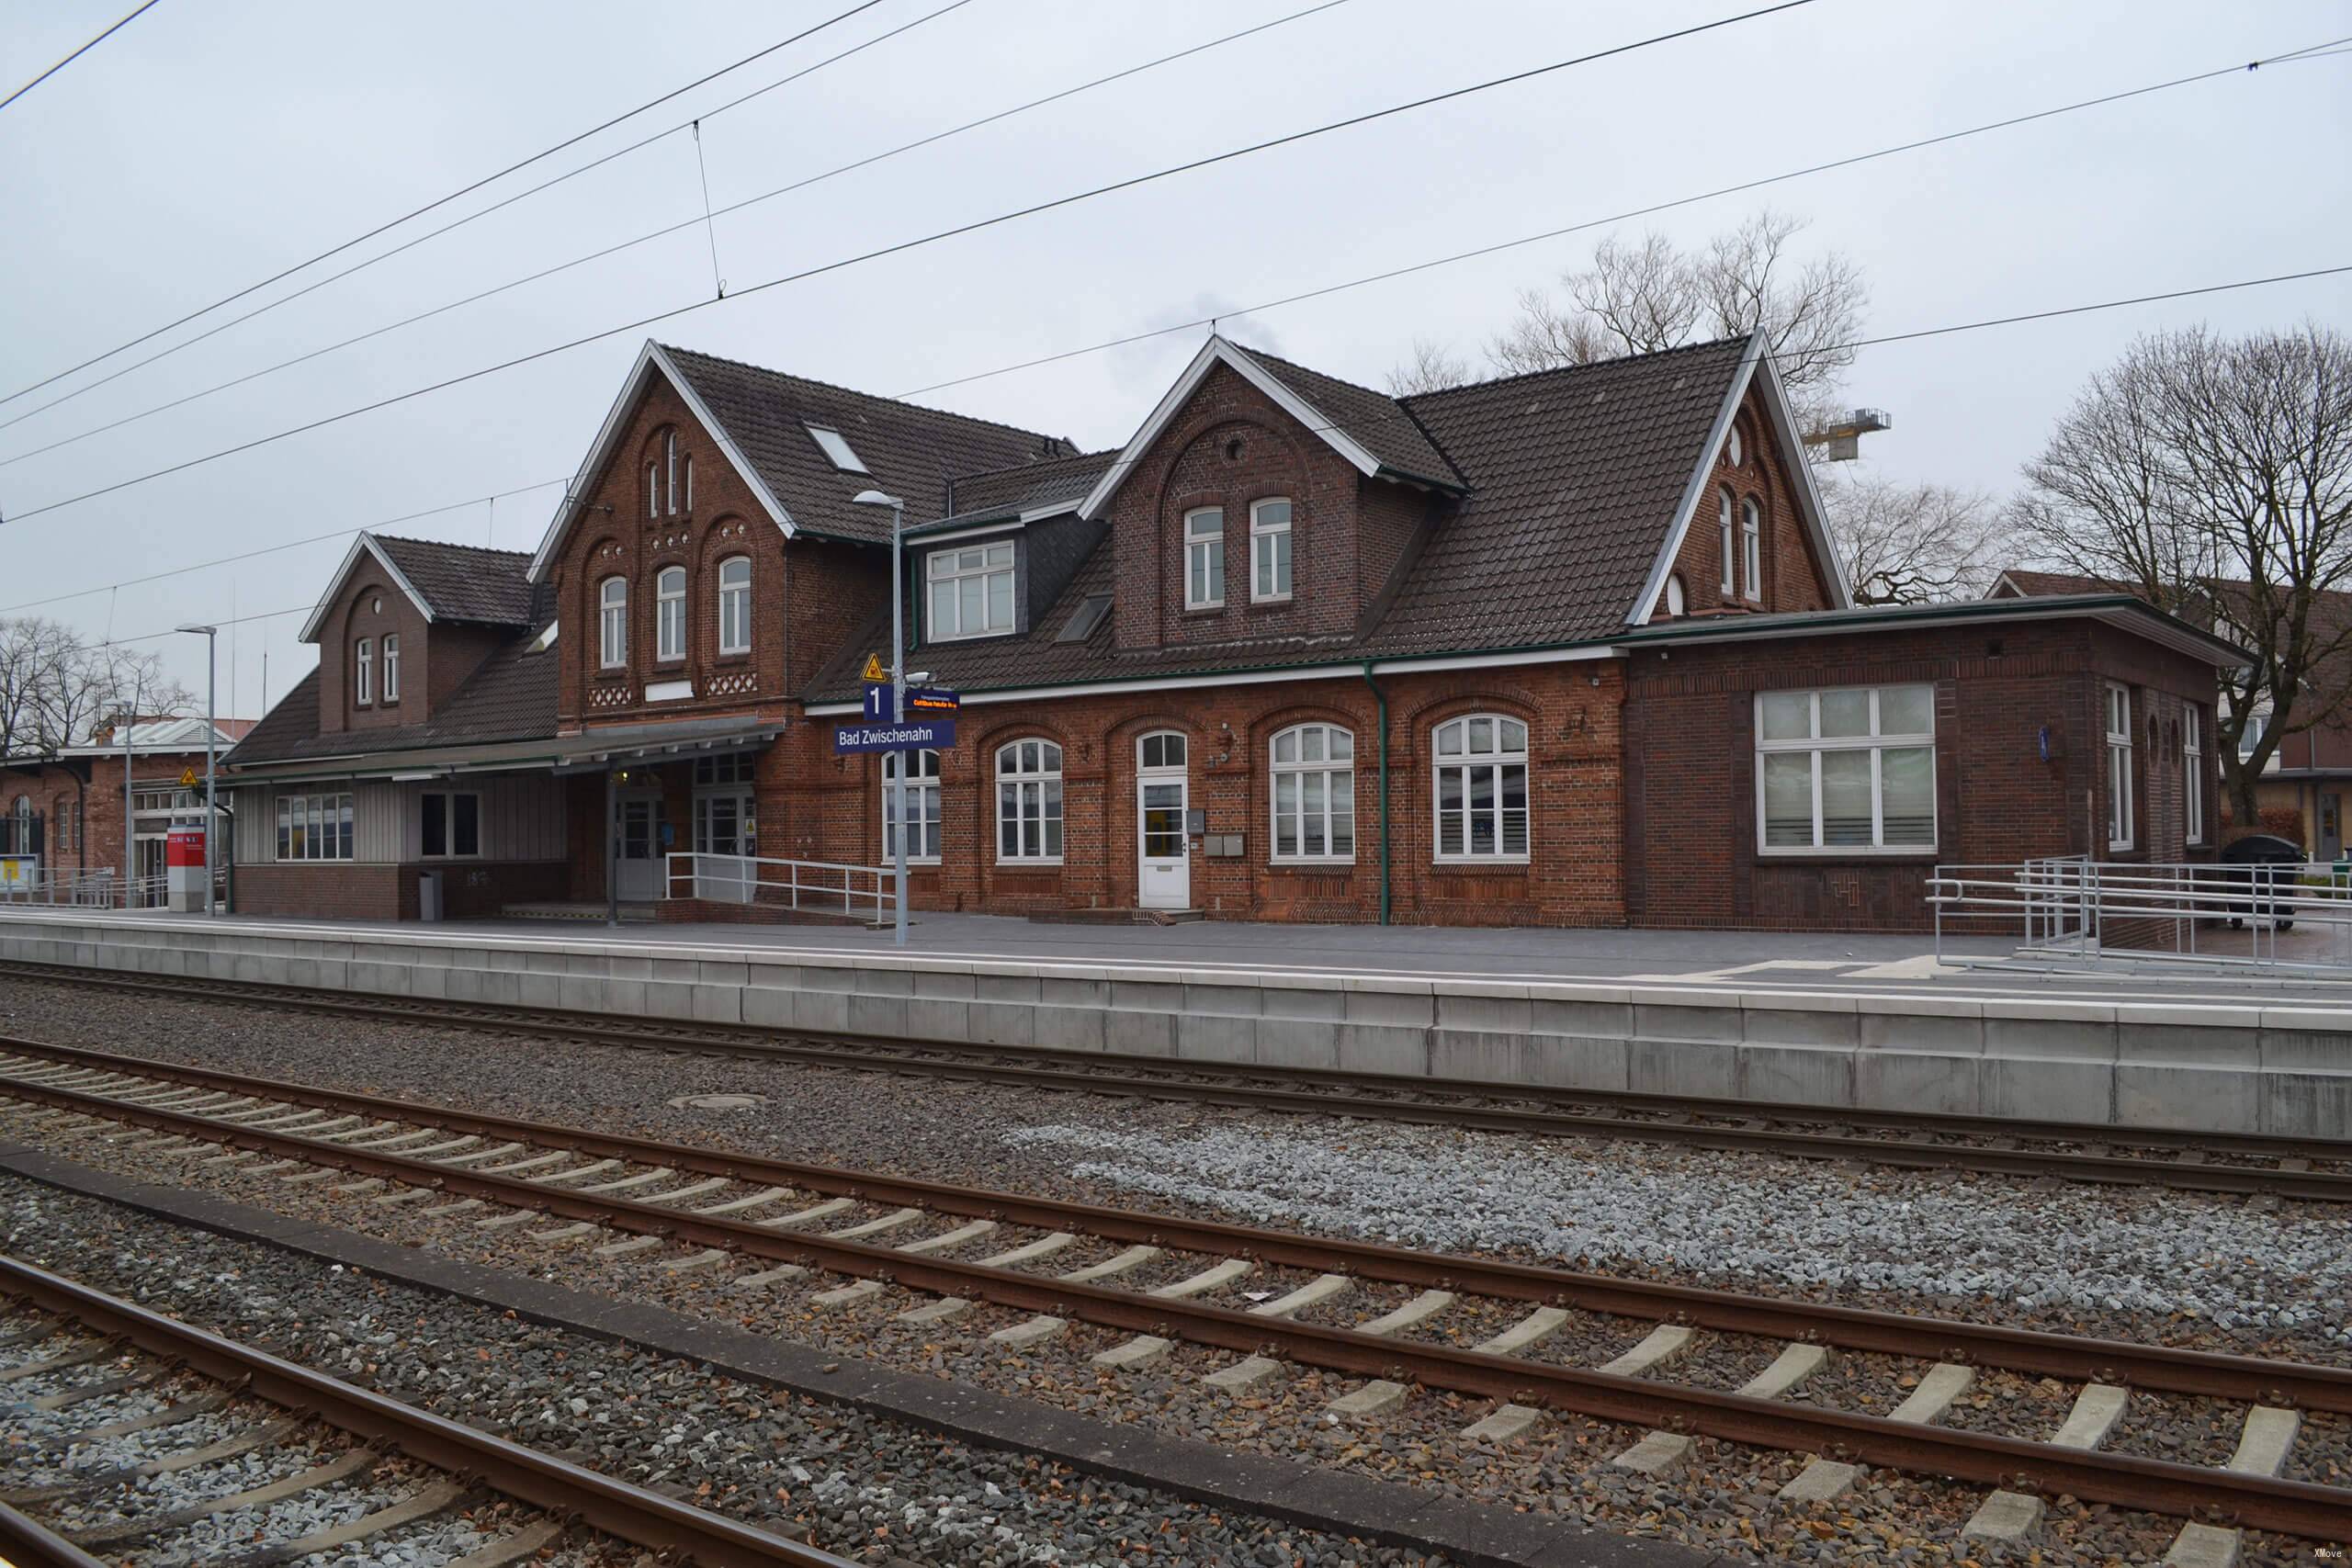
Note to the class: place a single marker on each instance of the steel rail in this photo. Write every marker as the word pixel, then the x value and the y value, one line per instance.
pixel 2217 1374
pixel 637 1516
pixel 1330 1091
pixel 2156 1486
pixel 26 1544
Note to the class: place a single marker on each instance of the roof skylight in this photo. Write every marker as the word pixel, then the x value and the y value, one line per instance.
pixel 833 447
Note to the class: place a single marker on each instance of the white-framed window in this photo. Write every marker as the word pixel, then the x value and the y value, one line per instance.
pixel 2250 734
pixel 1480 788
pixel 971 591
pixel 1849 769
pixel 1029 802
pixel 922 809
pixel 1315 794
pixel 313 826
pixel 363 658
pixel 2192 769
pixel 391 667
pixel 1162 751
pixel 653 489
pixel 1677 601
pixel 1204 558
pixel 2119 820
pixel 670 461
pixel 451 825
pixel 1269 550
pixel 1751 547
pixel 836 450
pixel 735 605
pixel 1723 507
pixel 1733 451
pixel 688 482
pixel 612 623
pixel 670 613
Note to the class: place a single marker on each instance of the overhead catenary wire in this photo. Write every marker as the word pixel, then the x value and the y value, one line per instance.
pixel 662 231
pixel 442 201
pixel 120 23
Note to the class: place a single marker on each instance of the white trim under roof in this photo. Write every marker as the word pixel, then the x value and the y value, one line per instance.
pixel 1757 357
pixel 1577 654
pixel 650 358
pixel 366 541
pixel 1215 352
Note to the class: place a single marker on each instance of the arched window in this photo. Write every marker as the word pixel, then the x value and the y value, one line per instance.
pixel 1314 794
pixel 1730 550
pixel 1481 788
pixel 922 809
pixel 735 605
pixel 1676 600
pixel 653 489
pixel 1733 451
pixel 1204 558
pixel 1029 802
pixel 1161 749
pixel 1751 536
pixel 670 456
pixel 363 683
pixel 391 667
pixel 612 623
pixel 670 613
pixel 19 839
pixel 690 481
pixel 1269 550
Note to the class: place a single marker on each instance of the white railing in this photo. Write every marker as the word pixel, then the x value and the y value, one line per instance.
pixel 2292 915
pixel 805 885
pixel 96 890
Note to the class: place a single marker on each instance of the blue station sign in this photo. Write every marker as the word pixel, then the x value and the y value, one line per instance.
pixel 913 735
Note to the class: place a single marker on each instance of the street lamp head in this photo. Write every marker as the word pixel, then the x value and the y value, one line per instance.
pixel 875 498
pixel 207 631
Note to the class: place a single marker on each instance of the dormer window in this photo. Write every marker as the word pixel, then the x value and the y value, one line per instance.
pixel 971 591
pixel 1751 535
pixel 830 442
pixel 1269 551
pixel 391 669
pixel 1204 558
pixel 1722 517
pixel 363 689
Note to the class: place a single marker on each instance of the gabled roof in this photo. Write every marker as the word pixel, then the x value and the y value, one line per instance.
pixel 2023 583
pixel 1369 429
pixel 761 420
pixel 446 583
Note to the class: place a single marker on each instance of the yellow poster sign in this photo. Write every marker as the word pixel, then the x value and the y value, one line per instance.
pixel 874 670
pixel 187 778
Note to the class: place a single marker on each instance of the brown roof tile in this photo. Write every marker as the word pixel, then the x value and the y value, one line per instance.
pixel 464 583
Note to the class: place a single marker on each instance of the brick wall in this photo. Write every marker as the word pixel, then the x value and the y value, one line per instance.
pixel 332 890
pixel 1793 577
pixel 368 604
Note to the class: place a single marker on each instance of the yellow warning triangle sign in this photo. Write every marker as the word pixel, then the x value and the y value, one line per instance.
pixel 187 778
pixel 874 670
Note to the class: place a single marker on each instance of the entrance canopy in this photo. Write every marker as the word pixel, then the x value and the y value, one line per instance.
pixel 591 751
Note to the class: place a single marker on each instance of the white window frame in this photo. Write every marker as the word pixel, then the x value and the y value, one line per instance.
pixel 2122 824
pixel 448 798
pixel 670 457
pixel 1029 771
pixel 1876 742
pixel 652 490
pixel 735 605
pixel 391 666
pixel 922 847
pixel 1678 600
pixel 1751 546
pixel 690 481
pixel 1724 505
pixel 1270 544
pixel 950 567
pixel 1496 764
pixel 1733 451
pixel 2192 771
pixel 1202 550
pixel 1337 777
pixel 324 818
pixel 670 614
pixel 611 624
pixel 363 691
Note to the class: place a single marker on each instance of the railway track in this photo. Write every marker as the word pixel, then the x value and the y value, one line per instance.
pixel 150 1440
pixel 2255 1164
pixel 1370 1313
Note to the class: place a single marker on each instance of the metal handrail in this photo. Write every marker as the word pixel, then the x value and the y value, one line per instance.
pixel 2072 904
pixel 747 879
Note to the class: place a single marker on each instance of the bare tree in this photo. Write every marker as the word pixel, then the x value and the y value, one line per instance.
pixel 1431 368
pixel 1640 297
pixel 55 688
pixel 1910 544
pixel 2213 477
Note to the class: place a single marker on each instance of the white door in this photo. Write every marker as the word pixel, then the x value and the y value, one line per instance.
pixel 724 834
pixel 1165 880
pixel 644 874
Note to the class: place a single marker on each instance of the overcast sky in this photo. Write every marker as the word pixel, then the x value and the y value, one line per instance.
pixel 208 145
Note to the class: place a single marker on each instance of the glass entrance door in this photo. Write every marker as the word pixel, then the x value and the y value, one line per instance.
pixel 642 875
pixel 1164 879
pixel 726 839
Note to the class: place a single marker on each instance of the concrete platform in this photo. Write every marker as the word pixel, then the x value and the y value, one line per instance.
pixel 1867 1022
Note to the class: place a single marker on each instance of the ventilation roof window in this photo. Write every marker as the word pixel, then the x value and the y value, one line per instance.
pixel 837 449
pixel 1089 616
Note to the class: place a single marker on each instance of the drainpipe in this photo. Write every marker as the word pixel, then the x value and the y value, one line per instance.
pixel 1381 698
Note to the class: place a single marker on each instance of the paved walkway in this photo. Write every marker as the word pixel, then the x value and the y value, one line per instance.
pixel 1742 961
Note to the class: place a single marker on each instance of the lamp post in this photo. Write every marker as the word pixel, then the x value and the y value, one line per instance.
pixel 898 693
pixel 211 734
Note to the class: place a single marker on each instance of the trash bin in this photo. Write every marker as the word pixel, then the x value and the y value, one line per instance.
pixel 428 895
pixel 2265 868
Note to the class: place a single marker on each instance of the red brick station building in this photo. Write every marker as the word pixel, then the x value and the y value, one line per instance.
pixel 1567 649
